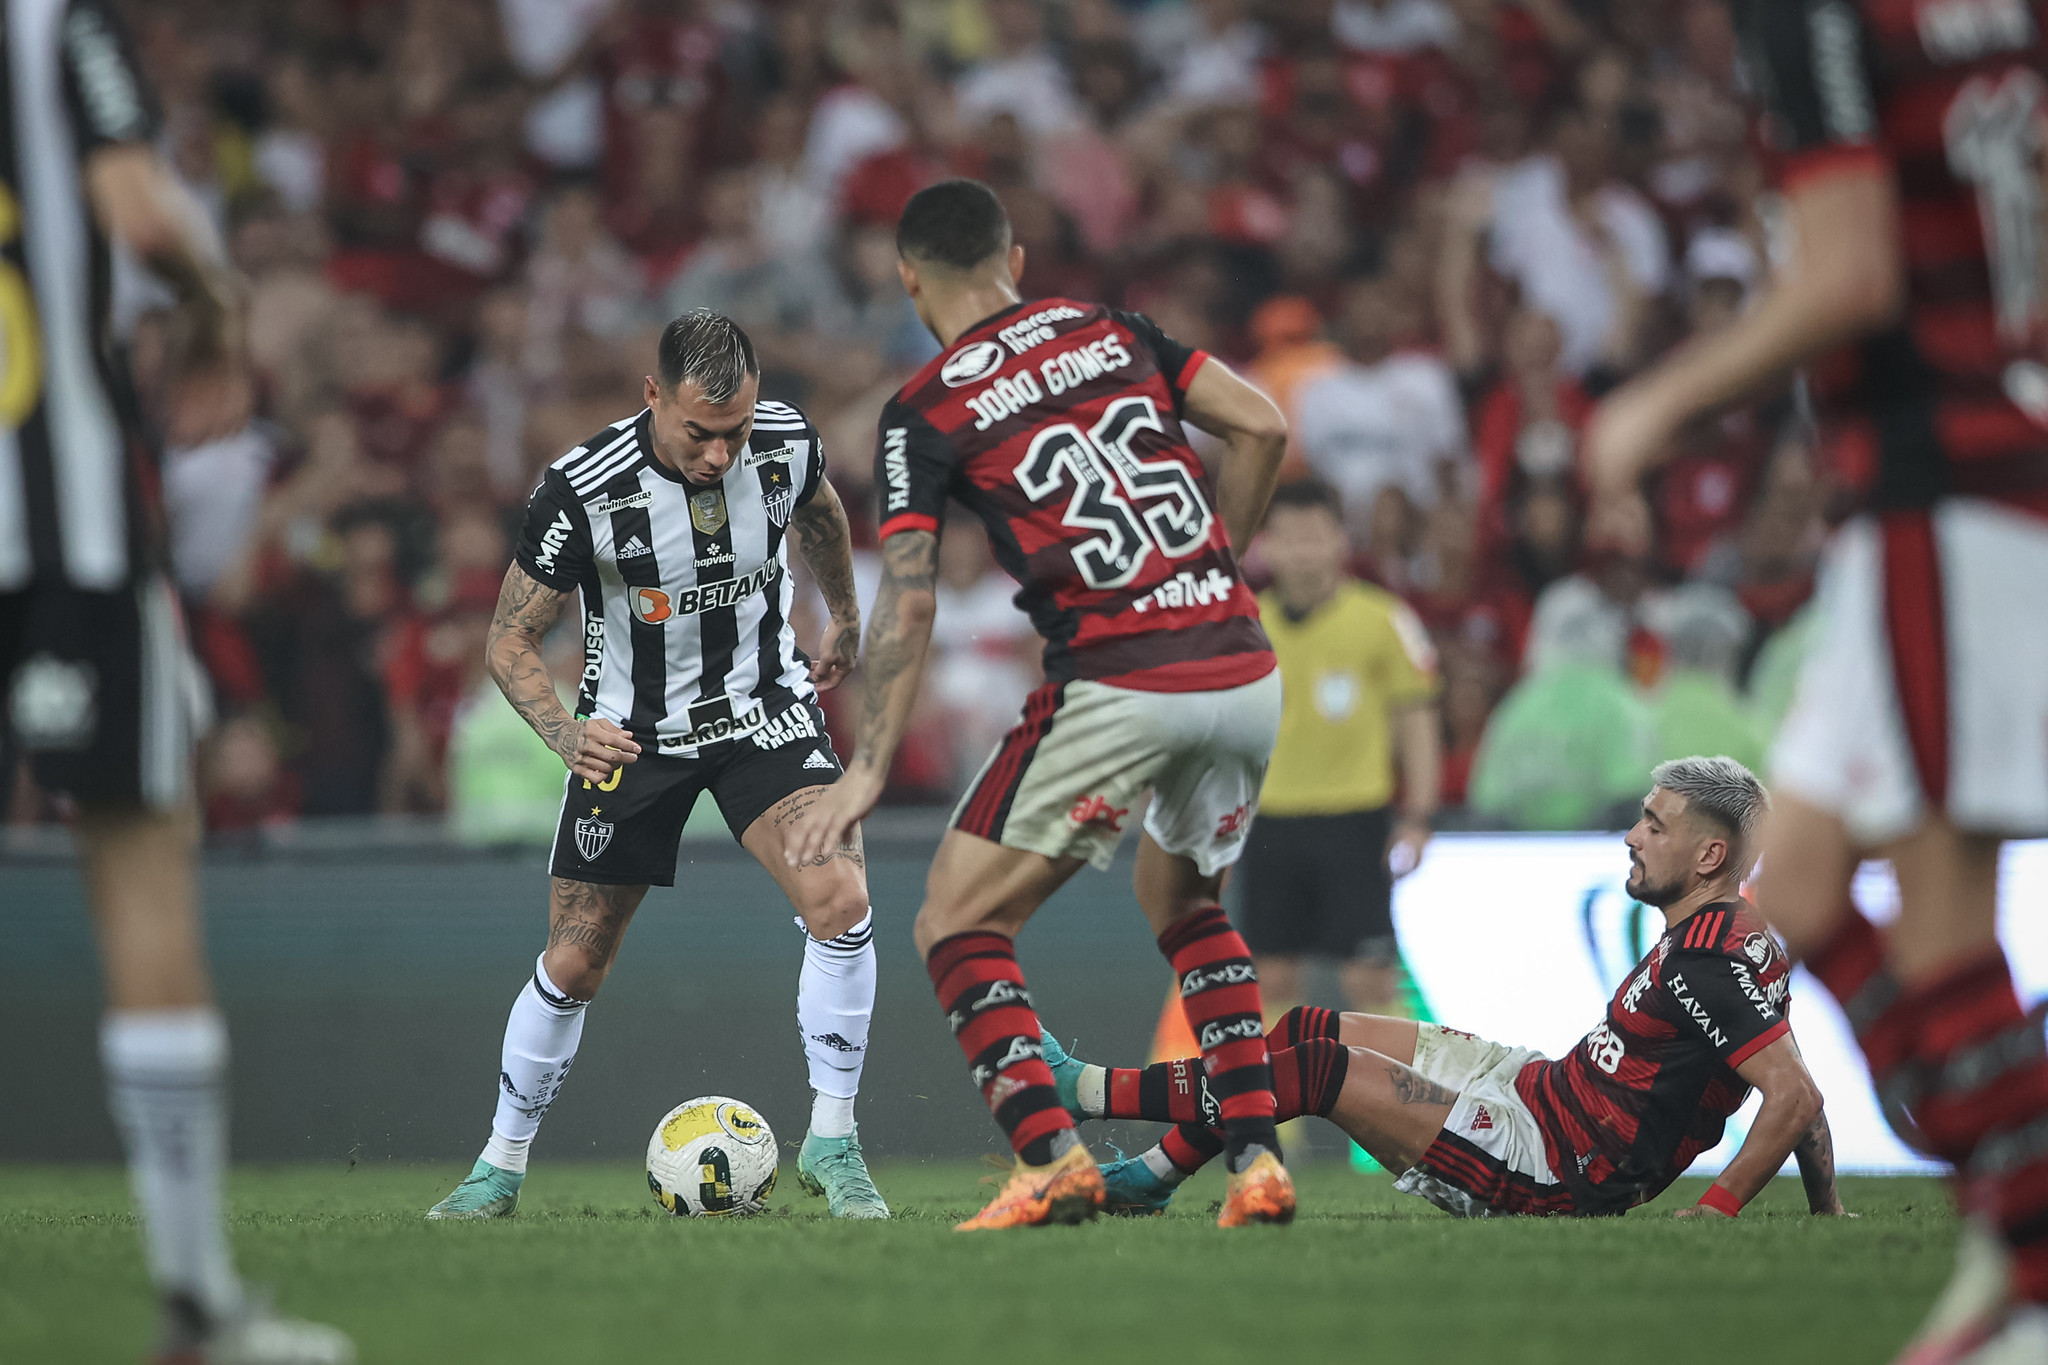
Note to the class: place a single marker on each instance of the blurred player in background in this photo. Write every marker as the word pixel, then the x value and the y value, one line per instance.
pixel 1480 1128
pixel 1912 138
pixel 1059 424
pixel 100 692
pixel 673 525
pixel 1359 678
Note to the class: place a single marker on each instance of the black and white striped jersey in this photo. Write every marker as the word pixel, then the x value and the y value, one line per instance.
pixel 686 589
pixel 68 432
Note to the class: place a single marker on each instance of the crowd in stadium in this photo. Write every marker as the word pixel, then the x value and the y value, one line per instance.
pixel 1434 230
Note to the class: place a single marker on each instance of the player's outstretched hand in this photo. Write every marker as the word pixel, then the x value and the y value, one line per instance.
pixel 1699 1211
pixel 594 749
pixel 830 822
pixel 836 659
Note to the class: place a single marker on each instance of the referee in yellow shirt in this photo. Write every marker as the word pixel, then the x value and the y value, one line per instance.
pixel 1359 675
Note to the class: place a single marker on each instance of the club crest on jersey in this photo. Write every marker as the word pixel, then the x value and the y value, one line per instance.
pixel 779 497
pixel 970 363
pixel 707 511
pixel 593 835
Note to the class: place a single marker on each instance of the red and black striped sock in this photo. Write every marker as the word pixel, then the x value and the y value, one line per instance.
pixel 1851 964
pixel 982 991
pixel 1980 1097
pixel 1301 1023
pixel 1191 1146
pixel 1306 1080
pixel 1219 993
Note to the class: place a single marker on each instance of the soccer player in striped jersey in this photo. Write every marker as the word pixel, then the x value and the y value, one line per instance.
pixel 1481 1128
pixel 673 525
pixel 97 689
pixel 1063 424
pixel 1911 141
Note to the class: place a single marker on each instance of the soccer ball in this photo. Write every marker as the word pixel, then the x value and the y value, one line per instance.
pixel 712 1158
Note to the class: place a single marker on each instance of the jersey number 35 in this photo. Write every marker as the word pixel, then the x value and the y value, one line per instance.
pixel 1133 505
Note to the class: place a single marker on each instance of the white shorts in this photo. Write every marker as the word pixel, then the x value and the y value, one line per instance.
pixel 1064 781
pixel 1926 682
pixel 1490 1158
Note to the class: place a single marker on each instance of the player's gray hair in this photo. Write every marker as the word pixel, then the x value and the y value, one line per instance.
pixel 1722 790
pixel 709 350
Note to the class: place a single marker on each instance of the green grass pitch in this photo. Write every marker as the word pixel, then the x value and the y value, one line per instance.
pixel 591 1270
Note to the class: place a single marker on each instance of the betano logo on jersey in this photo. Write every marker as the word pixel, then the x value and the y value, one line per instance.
pixel 652 606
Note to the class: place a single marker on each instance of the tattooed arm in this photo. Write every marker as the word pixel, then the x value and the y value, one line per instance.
pixel 825 541
pixel 1816 1156
pixel 898 637
pixel 527 609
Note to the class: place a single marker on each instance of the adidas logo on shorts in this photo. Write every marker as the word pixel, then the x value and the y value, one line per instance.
pixel 633 549
pixel 818 760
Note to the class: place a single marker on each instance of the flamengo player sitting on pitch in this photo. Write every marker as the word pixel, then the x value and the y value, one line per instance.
pixel 672 525
pixel 1059 424
pixel 1912 139
pixel 1480 1128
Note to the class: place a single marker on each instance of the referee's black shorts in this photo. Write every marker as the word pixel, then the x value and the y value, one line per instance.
pixel 1318 886
pixel 100 692
pixel 626 831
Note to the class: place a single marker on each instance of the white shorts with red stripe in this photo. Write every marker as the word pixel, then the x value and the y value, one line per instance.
pixel 1064 782
pixel 1926 682
pixel 1490 1158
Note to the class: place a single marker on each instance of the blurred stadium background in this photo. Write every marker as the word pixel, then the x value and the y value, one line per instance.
pixel 1435 230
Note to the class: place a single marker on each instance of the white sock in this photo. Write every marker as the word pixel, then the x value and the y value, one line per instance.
pixel 1092 1089
pixel 835 1000
pixel 1161 1165
pixel 166 1074
pixel 540 1044
pixel 831 1115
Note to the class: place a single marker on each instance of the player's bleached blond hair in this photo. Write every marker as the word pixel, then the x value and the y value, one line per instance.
pixel 1725 792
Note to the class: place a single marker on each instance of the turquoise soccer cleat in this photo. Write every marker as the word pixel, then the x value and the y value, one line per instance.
pixel 1066 1075
pixel 487 1193
pixel 1134 1191
pixel 835 1168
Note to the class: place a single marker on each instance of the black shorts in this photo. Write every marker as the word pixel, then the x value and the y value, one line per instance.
pixel 100 693
pixel 1318 886
pixel 625 832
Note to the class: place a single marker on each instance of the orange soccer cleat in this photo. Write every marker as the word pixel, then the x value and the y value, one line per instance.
pixel 1069 1189
pixel 1262 1192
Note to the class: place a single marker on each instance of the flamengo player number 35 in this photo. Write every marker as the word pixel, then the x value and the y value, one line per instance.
pixel 1108 478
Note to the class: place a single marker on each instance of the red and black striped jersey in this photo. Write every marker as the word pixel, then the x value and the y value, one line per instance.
pixel 1947 97
pixel 1058 423
pixel 1651 1087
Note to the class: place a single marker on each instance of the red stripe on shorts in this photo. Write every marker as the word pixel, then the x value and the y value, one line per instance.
pixel 989 805
pixel 1918 630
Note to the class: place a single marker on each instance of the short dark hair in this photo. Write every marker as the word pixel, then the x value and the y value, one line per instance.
pixel 1303 494
pixel 710 350
pixel 957 223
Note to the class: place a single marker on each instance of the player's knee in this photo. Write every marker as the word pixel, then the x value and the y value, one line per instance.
pixel 574 970
pixel 835 913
